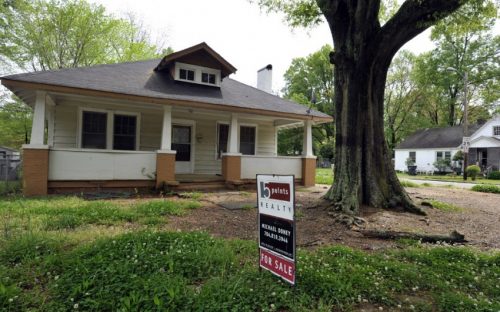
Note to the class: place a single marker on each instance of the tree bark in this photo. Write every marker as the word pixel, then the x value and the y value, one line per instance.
pixel 364 174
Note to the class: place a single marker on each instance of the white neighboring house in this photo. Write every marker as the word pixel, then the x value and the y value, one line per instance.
pixel 429 145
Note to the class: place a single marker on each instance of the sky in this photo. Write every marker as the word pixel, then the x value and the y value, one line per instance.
pixel 238 30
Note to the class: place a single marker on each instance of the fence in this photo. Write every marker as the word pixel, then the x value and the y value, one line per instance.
pixel 9 167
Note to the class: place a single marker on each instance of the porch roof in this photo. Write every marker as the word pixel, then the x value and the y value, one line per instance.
pixel 140 82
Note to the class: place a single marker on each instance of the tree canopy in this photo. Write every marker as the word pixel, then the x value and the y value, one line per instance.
pixel 366 37
pixel 47 35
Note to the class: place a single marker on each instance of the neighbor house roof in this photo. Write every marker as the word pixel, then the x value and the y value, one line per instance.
pixel 449 137
pixel 140 81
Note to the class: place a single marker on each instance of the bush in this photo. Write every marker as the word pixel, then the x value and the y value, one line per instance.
pixel 473 171
pixel 442 165
pixel 494 175
pixel 486 188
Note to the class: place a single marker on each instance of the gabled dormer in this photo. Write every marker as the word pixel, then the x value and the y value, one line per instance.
pixel 198 64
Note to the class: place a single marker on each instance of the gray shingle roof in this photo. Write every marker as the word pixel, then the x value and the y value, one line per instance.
pixel 449 137
pixel 140 79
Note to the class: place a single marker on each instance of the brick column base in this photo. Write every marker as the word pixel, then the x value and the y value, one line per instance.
pixel 308 171
pixel 35 171
pixel 165 168
pixel 231 168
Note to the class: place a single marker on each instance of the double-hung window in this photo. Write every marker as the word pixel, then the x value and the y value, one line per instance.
pixel 413 157
pixel 94 130
pixel 247 140
pixel 109 130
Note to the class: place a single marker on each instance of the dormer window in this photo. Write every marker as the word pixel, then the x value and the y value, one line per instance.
pixel 208 78
pixel 186 74
pixel 496 130
pixel 197 74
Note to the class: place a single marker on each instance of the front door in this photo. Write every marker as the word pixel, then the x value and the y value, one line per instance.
pixel 182 143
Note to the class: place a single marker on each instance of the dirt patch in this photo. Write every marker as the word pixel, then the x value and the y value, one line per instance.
pixel 478 220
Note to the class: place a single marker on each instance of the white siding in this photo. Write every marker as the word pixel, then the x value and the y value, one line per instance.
pixel 487 129
pixel 424 158
pixel 65 125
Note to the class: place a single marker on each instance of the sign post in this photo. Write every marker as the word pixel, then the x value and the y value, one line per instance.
pixel 276 202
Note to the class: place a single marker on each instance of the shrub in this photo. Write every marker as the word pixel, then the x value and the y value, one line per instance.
pixel 494 175
pixel 486 188
pixel 442 164
pixel 473 171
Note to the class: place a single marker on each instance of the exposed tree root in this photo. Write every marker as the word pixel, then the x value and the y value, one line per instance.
pixel 453 238
pixel 347 219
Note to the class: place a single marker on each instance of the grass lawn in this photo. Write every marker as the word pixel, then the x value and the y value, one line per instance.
pixel 445 178
pixel 64 253
pixel 324 176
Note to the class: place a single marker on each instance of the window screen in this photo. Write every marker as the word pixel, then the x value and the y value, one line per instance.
pixel 94 130
pixel 247 140
pixel 124 132
pixel 181 142
pixel 223 135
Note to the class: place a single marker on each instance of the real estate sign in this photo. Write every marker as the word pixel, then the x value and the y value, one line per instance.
pixel 276 202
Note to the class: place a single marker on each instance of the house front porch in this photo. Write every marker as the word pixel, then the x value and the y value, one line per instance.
pixel 160 146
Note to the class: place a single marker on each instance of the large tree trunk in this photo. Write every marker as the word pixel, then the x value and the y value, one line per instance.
pixel 364 173
pixel 363 168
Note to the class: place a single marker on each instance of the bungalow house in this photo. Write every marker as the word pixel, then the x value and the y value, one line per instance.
pixel 159 122
pixel 426 146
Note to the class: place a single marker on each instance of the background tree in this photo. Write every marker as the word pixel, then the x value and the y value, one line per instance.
pixel 464 43
pixel 309 81
pixel 47 35
pixel 363 51
pixel 403 101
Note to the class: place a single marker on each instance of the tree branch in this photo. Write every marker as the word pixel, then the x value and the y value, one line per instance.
pixel 412 18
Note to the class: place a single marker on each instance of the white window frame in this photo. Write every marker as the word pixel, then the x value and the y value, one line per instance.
pixel 198 70
pixel 494 130
pixel 256 126
pixel 443 153
pixel 409 156
pixel 217 137
pixel 109 126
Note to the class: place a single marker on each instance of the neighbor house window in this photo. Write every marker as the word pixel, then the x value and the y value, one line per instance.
pixel 124 132
pixel 413 157
pixel 186 74
pixel 208 78
pixel 247 140
pixel 443 155
pixel 222 138
pixel 496 130
pixel 109 130
pixel 94 126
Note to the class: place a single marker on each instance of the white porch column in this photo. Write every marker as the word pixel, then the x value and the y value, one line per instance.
pixel 307 149
pixel 166 133
pixel 38 127
pixel 233 135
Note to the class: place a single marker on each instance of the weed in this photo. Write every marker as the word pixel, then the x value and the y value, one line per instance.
pixel 485 188
pixel 445 206
pixel 406 183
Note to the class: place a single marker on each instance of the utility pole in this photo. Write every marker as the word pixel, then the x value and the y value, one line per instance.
pixel 465 140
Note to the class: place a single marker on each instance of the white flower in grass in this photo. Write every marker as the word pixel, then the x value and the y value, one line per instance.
pixel 11 299
pixel 75 306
